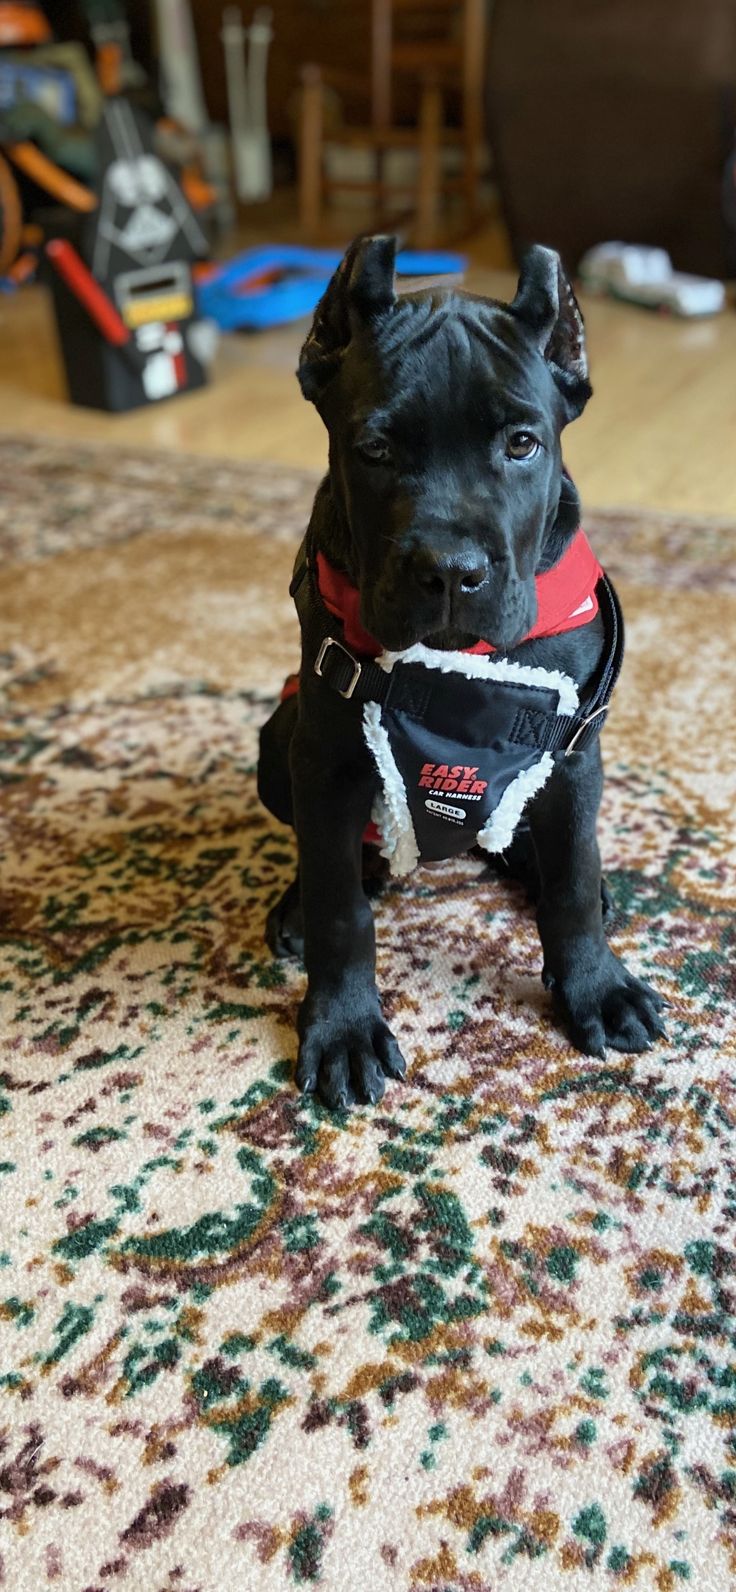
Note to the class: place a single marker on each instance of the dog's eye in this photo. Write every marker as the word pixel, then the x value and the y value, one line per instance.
pixel 521 445
pixel 375 450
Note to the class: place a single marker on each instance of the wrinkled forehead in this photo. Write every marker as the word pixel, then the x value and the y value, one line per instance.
pixel 449 361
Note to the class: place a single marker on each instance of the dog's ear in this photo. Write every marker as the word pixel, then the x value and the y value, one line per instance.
pixel 545 302
pixel 361 290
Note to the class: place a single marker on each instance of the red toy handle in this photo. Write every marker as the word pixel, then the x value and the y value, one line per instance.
pixel 80 280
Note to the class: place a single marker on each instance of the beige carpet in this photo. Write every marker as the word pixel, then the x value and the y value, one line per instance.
pixel 480 1338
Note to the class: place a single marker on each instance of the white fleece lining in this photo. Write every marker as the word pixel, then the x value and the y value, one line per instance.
pixel 391 810
pixel 498 830
pixel 477 666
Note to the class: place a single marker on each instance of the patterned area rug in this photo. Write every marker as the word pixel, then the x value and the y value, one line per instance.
pixel 481 1337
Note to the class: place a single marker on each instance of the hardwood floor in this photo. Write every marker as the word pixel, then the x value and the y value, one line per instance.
pixel 660 431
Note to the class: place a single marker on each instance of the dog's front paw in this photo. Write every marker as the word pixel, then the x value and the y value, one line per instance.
pixel 346 1051
pixel 606 1007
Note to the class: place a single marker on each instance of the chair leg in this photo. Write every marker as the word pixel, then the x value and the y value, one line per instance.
pixel 474 64
pixel 428 186
pixel 310 153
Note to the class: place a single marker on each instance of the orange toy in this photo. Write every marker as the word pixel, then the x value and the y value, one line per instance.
pixel 22 23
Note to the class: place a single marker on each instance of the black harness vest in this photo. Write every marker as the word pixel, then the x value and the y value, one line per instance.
pixel 461 741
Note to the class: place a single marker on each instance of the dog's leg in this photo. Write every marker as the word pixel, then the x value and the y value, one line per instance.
pixel 519 862
pixel 274 777
pixel 346 1048
pixel 284 933
pixel 603 1003
pixel 285 925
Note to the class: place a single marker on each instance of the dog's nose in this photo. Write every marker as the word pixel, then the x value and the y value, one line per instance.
pixel 452 574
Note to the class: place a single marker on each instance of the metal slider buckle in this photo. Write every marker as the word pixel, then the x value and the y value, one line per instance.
pixel 584 726
pixel 328 642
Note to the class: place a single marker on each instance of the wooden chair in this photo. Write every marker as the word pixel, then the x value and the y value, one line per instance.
pixel 440 46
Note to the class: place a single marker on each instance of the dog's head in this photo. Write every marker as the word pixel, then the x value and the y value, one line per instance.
pixel 444 414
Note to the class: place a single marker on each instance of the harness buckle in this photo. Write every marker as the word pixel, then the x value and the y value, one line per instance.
pixel 357 667
pixel 583 727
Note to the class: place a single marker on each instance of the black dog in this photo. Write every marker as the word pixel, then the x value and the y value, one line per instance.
pixel 445 498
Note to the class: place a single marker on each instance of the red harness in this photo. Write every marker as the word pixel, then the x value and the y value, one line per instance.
pixel 566 599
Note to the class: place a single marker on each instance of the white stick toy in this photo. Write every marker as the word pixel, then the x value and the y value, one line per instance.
pixel 182 91
pixel 246 94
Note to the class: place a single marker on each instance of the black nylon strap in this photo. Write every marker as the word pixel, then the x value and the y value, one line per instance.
pixel 358 678
pixel 556 732
pixel 363 680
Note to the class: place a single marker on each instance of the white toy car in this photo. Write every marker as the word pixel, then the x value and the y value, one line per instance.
pixel 645 276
